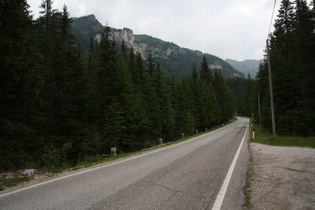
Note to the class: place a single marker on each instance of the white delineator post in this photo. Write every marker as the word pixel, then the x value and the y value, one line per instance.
pixel 253 133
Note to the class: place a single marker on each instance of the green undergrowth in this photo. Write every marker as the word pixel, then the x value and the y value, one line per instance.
pixel 6 182
pixel 94 160
pixel 11 181
pixel 264 137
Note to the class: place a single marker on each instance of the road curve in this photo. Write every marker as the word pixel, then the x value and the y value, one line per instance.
pixel 188 175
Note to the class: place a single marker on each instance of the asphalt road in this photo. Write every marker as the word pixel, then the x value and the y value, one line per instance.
pixel 188 175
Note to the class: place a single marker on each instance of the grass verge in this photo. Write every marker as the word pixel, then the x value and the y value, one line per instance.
pixel 11 181
pixel 264 137
pixel 247 190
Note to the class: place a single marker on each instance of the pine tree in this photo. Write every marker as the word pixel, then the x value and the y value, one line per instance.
pixel 184 121
pixel 196 107
pixel 127 118
pixel 282 61
pixel 47 32
pixel 212 106
pixel 105 76
pixel 205 72
pixel 140 124
pixel 224 96
pixel 292 59
pixel 304 51
pixel 20 83
pixel 70 100
pixel 153 100
pixel 159 106
pixel 167 111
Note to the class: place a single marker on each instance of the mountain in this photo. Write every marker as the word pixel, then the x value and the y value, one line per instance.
pixel 246 66
pixel 85 28
pixel 175 61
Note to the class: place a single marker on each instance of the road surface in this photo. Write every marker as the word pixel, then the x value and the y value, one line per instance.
pixel 195 174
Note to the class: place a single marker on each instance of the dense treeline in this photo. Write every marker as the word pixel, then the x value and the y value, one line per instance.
pixel 57 108
pixel 292 59
pixel 243 90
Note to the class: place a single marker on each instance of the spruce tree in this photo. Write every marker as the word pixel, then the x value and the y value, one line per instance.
pixel 205 71
pixel 153 100
pixel 184 122
pixel 292 59
pixel 304 51
pixel 48 36
pixel 197 107
pixel 20 82
pixel 224 97
pixel 105 76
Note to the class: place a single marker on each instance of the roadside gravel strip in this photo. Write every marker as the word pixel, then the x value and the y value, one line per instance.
pixel 282 177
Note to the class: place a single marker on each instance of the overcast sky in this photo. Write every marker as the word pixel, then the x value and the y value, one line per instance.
pixel 235 29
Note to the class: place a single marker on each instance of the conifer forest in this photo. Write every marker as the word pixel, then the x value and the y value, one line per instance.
pixel 59 108
pixel 292 60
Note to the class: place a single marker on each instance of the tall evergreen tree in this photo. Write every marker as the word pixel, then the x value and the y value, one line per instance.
pixel 105 77
pixel 70 100
pixel 292 60
pixel 198 108
pixel 212 106
pixel 167 112
pixel 224 96
pixel 48 36
pixel 184 121
pixel 153 101
pixel 205 71
pixel 20 83
pixel 304 51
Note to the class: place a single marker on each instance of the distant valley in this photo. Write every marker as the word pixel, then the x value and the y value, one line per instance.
pixel 246 67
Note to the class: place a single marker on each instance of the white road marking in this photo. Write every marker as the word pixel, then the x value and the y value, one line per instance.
pixel 219 200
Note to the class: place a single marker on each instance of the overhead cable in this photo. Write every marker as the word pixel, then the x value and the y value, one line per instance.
pixel 273 10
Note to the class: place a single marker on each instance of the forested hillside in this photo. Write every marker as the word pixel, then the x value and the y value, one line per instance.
pixel 58 108
pixel 292 59
pixel 174 60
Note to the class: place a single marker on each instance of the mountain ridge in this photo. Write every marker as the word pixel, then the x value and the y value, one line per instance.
pixel 175 61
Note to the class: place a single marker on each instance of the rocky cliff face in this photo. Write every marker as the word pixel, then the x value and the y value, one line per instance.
pixel 124 34
pixel 174 60
pixel 142 46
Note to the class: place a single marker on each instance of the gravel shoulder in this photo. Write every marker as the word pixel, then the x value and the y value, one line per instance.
pixel 282 177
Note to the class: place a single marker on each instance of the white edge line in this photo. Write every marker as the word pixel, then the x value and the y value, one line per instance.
pixel 107 165
pixel 219 200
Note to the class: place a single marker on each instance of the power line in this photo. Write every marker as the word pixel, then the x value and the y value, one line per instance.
pixel 273 10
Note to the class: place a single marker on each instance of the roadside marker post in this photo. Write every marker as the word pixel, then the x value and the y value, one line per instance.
pixel 253 136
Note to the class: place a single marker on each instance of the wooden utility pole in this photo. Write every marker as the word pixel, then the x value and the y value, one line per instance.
pixel 271 95
pixel 259 108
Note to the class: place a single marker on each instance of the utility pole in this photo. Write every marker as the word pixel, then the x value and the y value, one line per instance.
pixel 271 95
pixel 259 108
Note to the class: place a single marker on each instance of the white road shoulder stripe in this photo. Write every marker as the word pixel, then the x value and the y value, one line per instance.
pixel 219 200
